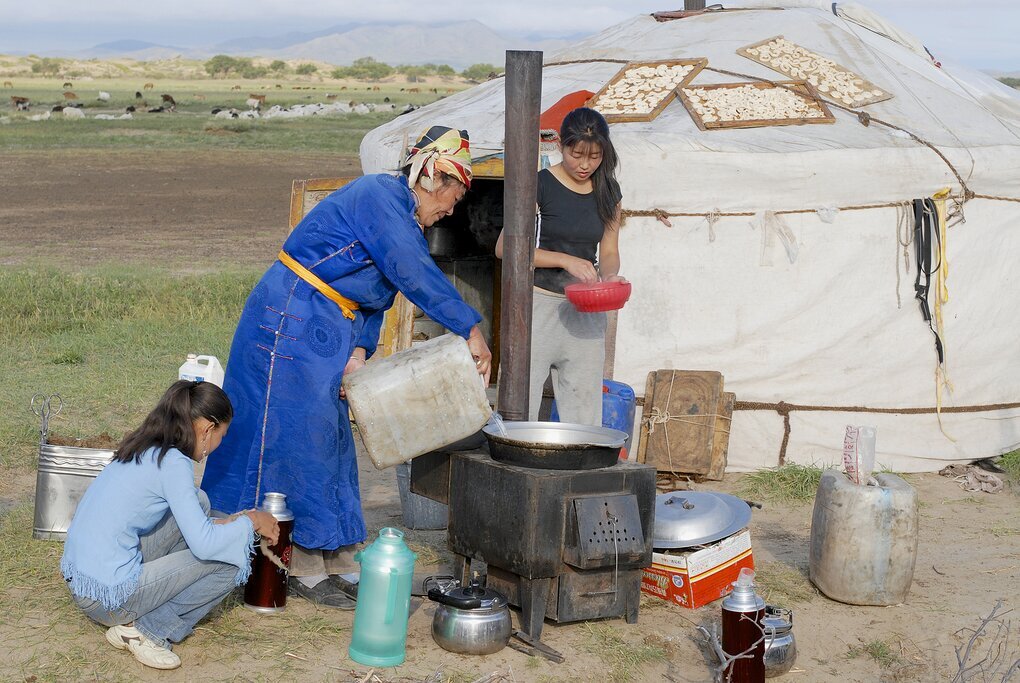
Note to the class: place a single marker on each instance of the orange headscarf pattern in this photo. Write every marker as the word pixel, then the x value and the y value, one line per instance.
pixel 440 149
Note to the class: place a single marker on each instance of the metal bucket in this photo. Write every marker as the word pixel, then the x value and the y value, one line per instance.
pixel 64 474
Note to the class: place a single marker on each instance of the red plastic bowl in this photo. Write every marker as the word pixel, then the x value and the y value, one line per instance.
pixel 598 296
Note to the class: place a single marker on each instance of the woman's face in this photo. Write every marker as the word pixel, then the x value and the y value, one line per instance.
pixel 581 160
pixel 208 436
pixel 438 203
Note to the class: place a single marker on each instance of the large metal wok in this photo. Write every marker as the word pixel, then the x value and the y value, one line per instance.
pixel 555 445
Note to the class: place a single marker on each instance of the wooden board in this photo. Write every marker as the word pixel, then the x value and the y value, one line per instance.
pixel 815 77
pixel 667 96
pixel 721 441
pixel 305 194
pixel 685 402
pixel 800 87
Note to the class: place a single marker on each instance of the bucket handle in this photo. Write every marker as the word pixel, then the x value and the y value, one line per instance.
pixel 42 406
pixel 391 600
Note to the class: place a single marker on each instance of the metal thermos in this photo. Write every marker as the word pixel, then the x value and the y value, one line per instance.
pixel 266 590
pixel 743 613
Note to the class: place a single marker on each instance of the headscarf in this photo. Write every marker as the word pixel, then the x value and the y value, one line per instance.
pixel 440 149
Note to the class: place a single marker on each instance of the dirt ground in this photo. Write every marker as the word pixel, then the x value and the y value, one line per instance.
pixel 192 211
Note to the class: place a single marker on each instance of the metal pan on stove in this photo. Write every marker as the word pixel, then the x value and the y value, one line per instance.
pixel 555 445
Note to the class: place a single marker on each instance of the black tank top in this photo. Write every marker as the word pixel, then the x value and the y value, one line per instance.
pixel 568 223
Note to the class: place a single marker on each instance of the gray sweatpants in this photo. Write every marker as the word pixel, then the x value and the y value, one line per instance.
pixel 571 346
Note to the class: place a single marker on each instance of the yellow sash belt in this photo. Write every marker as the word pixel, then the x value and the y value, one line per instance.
pixel 347 307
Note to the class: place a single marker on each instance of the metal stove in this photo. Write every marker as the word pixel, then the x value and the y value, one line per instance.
pixel 567 545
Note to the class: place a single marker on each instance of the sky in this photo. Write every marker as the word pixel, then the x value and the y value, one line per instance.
pixel 976 33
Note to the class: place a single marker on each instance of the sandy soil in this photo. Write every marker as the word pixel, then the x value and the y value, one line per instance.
pixel 194 210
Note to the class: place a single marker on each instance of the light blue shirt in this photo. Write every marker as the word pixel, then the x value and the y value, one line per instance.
pixel 102 554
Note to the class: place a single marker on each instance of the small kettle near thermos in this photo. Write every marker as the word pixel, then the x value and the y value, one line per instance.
pixel 469 620
pixel 780 646
pixel 384 600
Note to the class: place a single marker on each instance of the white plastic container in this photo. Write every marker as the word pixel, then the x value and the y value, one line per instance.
pixel 202 369
pixel 863 539
pixel 417 400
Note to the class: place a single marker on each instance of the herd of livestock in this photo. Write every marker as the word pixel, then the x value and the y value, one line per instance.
pixel 72 106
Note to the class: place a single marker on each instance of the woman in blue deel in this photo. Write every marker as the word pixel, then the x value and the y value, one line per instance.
pixel 315 315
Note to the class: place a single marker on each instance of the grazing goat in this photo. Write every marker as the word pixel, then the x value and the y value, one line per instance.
pixel 169 100
pixel 198 97
pixel 73 113
pixel 68 84
pixel 343 87
pixel 450 91
pixel 70 95
pixel 279 87
pixel 20 103
pixel 138 95
pixel 8 84
pixel 148 86
pixel 414 90
pixel 330 96
pixel 375 88
pixel 260 98
pixel 130 108
pixel 253 103
pixel 236 87
pixel 103 96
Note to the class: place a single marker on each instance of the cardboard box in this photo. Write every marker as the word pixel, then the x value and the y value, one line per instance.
pixel 692 578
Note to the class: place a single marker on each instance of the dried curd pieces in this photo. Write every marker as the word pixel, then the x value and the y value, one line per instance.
pixel 832 81
pixel 639 91
pixel 747 105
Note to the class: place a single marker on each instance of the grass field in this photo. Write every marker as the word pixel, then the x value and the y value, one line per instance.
pixel 192 125
pixel 108 341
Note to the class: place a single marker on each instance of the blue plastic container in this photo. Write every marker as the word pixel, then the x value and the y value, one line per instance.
pixel 618 406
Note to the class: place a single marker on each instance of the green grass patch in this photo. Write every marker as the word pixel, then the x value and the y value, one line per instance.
pixel 107 341
pixel 624 661
pixel 782 584
pixel 1011 463
pixel 877 651
pixel 786 484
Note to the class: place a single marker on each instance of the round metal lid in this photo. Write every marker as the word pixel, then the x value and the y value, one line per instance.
pixel 688 518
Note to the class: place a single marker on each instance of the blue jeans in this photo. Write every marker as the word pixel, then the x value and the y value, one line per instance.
pixel 175 589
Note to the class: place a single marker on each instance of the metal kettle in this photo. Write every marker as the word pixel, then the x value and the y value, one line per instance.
pixel 471 620
pixel 780 647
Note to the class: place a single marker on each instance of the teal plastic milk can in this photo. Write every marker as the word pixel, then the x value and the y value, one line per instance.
pixel 384 600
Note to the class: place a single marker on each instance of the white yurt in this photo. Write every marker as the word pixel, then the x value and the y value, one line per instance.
pixel 782 256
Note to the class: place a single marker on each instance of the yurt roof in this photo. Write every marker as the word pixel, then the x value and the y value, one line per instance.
pixel 947 123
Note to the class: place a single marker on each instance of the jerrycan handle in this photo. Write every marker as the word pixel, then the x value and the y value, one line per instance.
pixel 391 599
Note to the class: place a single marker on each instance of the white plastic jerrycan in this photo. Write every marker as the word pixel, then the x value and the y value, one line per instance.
pixel 202 369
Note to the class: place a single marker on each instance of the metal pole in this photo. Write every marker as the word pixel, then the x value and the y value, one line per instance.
pixel 520 189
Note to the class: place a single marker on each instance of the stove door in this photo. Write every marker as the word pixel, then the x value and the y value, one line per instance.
pixel 605 531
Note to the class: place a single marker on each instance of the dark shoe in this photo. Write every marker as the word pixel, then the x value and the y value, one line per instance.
pixel 344 586
pixel 324 593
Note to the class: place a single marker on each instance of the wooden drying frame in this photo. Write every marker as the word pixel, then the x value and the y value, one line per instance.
pixel 868 85
pixel 802 88
pixel 697 63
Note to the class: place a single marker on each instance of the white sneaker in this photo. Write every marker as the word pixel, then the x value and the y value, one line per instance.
pixel 152 655
pixel 118 636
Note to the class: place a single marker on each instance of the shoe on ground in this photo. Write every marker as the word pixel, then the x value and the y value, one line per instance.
pixel 324 593
pixel 119 636
pixel 346 587
pixel 152 655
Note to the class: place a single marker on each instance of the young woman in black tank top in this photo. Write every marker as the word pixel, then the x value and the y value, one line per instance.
pixel 578 241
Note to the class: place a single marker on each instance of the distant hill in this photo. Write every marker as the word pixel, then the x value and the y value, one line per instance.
pixel 256 44
pixel 459 44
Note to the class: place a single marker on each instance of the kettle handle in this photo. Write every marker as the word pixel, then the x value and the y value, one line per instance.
pixel 442 598
pixel 391 597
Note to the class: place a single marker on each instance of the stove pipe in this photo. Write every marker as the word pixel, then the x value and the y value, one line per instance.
pixel 520 189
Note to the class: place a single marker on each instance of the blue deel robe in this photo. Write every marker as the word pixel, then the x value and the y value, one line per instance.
pixel 291 433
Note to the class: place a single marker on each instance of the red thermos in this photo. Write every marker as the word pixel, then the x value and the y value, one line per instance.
pixel 266 590
pixel 743 631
